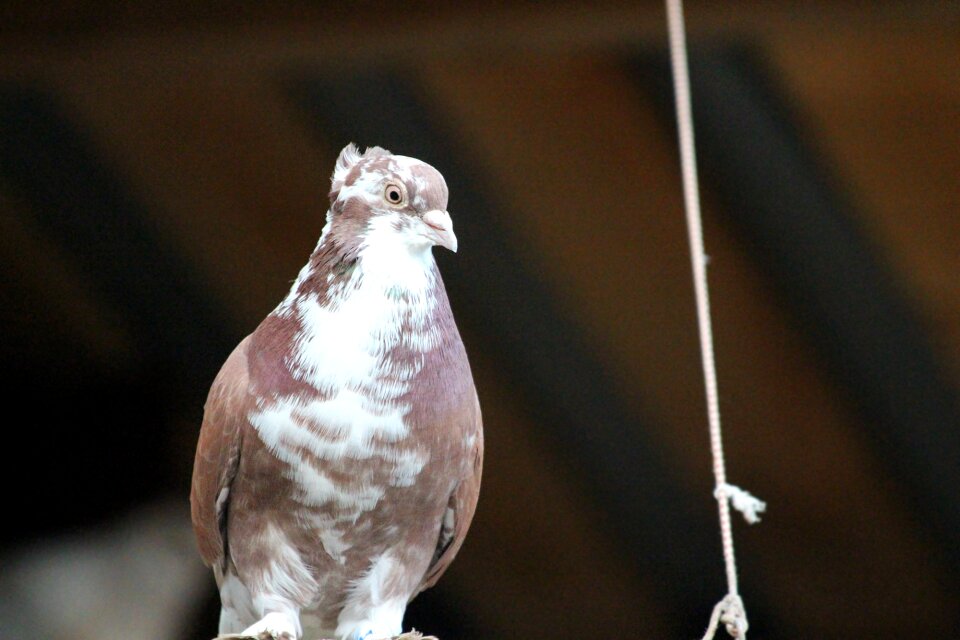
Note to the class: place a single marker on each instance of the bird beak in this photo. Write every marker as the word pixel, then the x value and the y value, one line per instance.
pixel 440 229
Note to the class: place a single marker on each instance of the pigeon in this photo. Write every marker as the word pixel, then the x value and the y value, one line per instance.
pixel 339 459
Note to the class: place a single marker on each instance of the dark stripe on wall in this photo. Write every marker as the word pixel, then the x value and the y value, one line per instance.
pixel 540 351
pixel 799 227
pixel 109 437
pixel 50 164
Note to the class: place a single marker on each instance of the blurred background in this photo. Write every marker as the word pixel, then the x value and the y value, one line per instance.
pixel 163 176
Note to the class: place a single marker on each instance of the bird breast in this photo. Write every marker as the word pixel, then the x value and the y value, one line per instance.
pixel 357 350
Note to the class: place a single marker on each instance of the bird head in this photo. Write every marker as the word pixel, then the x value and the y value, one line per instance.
pixel 389 198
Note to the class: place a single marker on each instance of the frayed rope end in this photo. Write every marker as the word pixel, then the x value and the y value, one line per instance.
pixel 743 501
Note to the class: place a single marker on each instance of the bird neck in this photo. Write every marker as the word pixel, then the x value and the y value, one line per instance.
pixel 363 315
pixel 374 264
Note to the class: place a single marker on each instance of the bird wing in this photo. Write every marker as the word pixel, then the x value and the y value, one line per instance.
pixel 218 454
pixel 460 510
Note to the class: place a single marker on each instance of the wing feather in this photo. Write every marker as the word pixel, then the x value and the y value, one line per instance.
pixel 218 455
pixel 460 509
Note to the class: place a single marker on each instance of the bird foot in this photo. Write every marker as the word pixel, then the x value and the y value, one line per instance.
pixel 273 626
pixel 413 634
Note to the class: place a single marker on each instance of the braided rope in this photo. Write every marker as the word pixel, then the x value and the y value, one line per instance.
pixel 730 611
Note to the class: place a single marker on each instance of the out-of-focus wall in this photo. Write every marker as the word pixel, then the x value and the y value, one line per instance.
pixel 162 181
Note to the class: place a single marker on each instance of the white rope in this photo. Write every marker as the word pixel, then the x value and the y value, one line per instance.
pixel 730 610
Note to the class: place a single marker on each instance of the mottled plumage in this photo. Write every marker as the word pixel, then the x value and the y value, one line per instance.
pixel 339 459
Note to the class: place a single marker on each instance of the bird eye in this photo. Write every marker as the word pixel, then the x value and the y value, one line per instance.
pixel 393 193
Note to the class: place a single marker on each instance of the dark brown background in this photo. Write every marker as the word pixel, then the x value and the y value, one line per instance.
pixel 163 176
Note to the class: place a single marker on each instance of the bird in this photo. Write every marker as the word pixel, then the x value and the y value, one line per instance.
pixel 340 453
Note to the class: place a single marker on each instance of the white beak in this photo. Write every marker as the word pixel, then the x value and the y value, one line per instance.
pixel 440 229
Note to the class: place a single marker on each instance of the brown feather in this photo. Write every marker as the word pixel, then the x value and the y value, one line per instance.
pixel 464 504
pixel 218 453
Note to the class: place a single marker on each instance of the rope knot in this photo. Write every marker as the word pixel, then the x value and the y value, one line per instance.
pixel 731 613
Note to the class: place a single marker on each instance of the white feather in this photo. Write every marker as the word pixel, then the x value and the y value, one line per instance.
pixel 367 613
pixel 344 353
pixel 236 605
pixel 289 577
pixel 345 341
pixel 348 157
